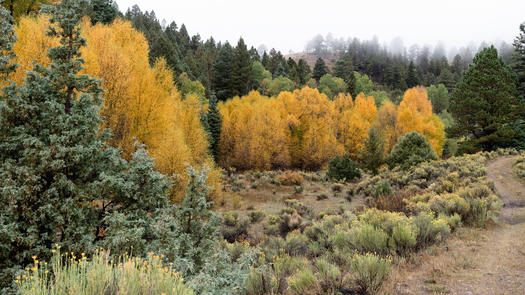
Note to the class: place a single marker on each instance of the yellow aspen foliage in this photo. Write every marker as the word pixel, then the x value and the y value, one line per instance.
pixel 343 102
pixel 353 130
pixel 32 45
pixel 141 103
pixel 386 122
pixel 366 107
pixel 253 134
pixel 415 114
pixel 320 146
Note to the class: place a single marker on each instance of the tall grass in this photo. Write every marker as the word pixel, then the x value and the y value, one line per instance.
pixel 70 274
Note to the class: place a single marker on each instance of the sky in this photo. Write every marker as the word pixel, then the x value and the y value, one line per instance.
pixel 287 25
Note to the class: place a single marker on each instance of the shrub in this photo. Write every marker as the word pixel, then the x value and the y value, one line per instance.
pixel 272 219
pixel 298 189
pixel 290 178
pixel 233 227
pixel 410 150
pixel 290 222
pixel 337 187
pixel 370 271
pixel 321 197
pixel 100 276
pixel 256 216
pixel 342 168
pixel 303 281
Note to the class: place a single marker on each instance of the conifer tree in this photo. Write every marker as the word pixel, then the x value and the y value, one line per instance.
pixel 519 61
pixel 280 72
pixel 351 83
pixel 320 69
pixel 241 69
pixel 374 151
pixel 104 11
pixel 214 120
pixel 59 179
pixel 222 73
pixel 412 79
pixel 485 101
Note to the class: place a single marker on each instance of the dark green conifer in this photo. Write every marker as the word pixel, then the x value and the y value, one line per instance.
pixel 518 58
pixel 214 121
pixel 221 82
pixel 320 69
pixel 241 69
pixel 485 101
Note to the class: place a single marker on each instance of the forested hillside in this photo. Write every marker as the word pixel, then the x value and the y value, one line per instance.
pixel 137 158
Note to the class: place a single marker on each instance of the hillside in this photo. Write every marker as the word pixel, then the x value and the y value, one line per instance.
pixel 329 57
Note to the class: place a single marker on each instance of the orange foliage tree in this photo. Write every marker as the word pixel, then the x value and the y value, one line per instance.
pixel 415 114
pixel 141 103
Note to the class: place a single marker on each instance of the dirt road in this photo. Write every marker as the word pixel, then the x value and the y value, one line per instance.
pixel 490 261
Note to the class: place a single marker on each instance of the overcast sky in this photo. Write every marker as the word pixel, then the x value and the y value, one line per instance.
pixel 287 25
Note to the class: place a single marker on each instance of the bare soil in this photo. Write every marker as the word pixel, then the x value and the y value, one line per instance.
pixel 474 261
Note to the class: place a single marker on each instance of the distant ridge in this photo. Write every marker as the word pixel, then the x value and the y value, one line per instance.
pixel 311 57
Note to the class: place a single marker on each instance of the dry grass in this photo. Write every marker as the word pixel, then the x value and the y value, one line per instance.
pixel 311 58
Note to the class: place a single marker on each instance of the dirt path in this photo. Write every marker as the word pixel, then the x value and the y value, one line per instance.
pixel 491 261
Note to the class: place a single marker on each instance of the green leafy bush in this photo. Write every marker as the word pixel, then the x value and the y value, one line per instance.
pixel 410 150
pixel 343 168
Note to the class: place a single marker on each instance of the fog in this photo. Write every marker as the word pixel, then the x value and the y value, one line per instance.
pixel 288 25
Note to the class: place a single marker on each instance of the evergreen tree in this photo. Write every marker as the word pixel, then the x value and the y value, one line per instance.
pixel 457 64
pixel 341 69
pixel 265 59
pixel 58 178
pixel 320 69
pixel 485 101
pixel 222 73
pixel 103 11
pixel 374 151
pixel 303 70
pixel 446 78
pixel 214 120
pixel 351 84
pixel 280 72
pixel 412 80
pixel 519 61
pixel 241 69
pixel 254 55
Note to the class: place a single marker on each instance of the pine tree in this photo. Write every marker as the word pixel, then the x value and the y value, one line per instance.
pixel 412 80
pixel 303 70
pixel 214 120
pixel 351 83
pixel 222 73
pixel 341 69
pixel 59 180
pixel 447 79
pixel 241 69
pixel 104 11
pixel 280 72
pixel 320 69
pixel 519 61
pixel 485 100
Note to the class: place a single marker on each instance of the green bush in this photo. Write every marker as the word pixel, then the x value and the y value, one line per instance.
pixel 410 150
pixel 342 168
